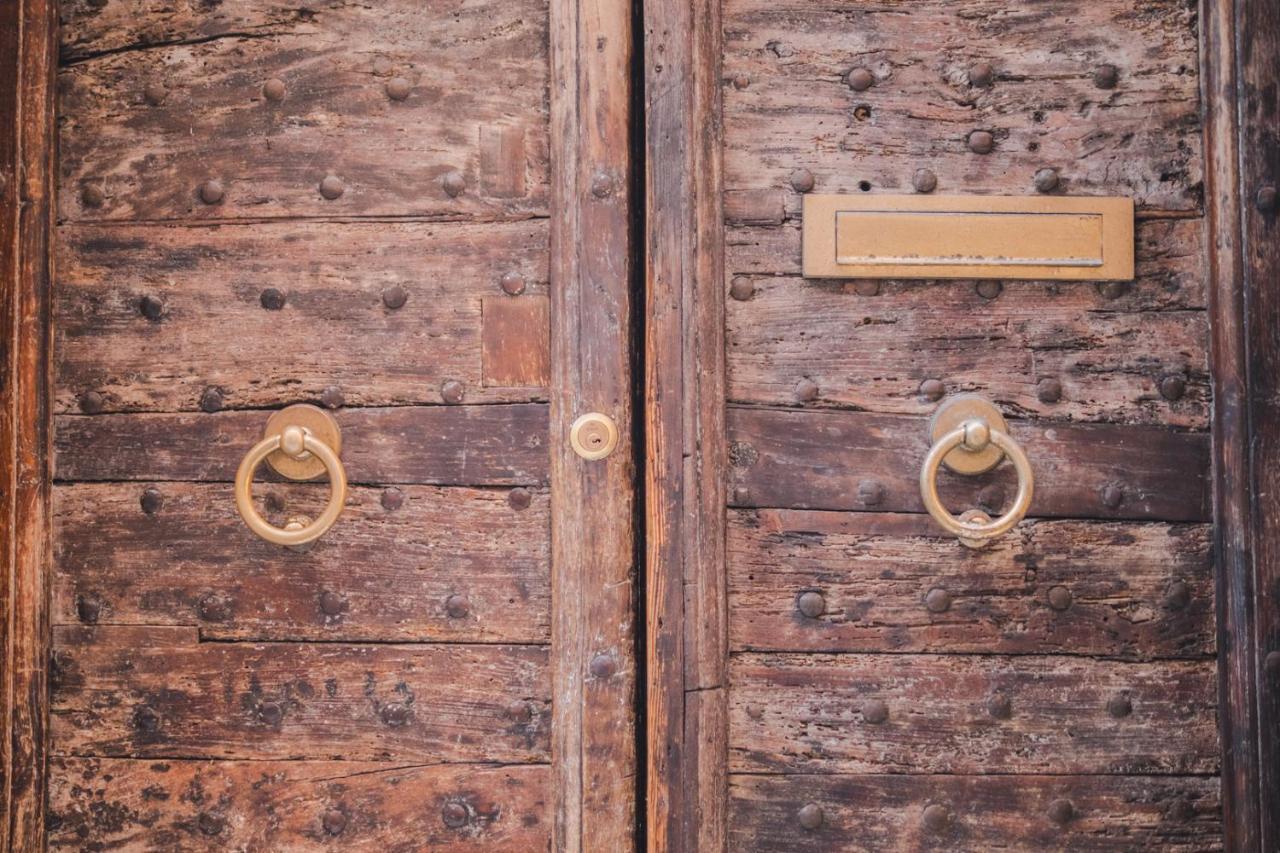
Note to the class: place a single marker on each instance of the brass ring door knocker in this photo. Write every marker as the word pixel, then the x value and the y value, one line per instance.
pixel 970 437
pixel 301 443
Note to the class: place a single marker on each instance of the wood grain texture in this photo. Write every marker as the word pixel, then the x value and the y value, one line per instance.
pixel 156 692
pixel 335 329
pixel 417 564
pixel 798 713
pixel 790 107
pixel 514 345
pixel 898 583
pixel 442 445
pixel 593 538
pixel 28 53
pixel 124 804
pixel 872 352
pixel 983 813
pixel 820 460
pixel 685 454
pixel 335 118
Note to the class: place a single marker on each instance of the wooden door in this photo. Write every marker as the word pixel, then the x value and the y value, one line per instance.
pixel 829 669
pixel 397 212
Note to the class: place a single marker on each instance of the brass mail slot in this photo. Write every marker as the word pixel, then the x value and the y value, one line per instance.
pixel 917 236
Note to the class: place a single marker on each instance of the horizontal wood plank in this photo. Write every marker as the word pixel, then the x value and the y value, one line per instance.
pixel 843 460
pixel 381 314
pixel 812 713
pixel 418 563
pixel 502 445
pixel 125 804
pixel 156 692
pixel 788 104
pixel 1079 813
pixel 871 582
pixel 147 128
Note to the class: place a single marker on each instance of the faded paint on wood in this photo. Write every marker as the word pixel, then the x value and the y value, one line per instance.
pixel 844 460
pixel 411 564
pixel 1084 813
pixel 443 445
pixel 515 350
pixel 125 804
pixel 789 105
pixel 471 70
pixel 156 692
pixel 337 328
pixel 817 713
pixel 898 583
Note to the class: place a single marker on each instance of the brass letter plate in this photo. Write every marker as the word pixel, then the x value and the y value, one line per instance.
pixel 920 236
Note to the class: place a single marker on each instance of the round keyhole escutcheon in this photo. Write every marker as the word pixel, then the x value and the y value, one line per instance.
pixel 593 436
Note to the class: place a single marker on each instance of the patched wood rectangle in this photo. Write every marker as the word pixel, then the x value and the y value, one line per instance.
pixel 386 313
pixel 417 563
pixel 897 583
pixel 462 72
pixel 836 459
pixel 885 812
pixel 295 805
pixel 156 692
pixel 441 445
pixel 817 713
pixel 791 105
pixel 516 341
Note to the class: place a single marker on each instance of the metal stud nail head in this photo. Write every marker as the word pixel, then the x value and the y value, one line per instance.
pixel 213 608
pixel 91 195
pixel 602 666
pixel 602 185
pixel 395 714
pixel 801 180
pixel 334 822
pixel 992 497
pixel 981 74
pixel 394 297
pixel 860 79
pixel 454 815
pixel 1059 598
pixel 741 288
pixel 1112 495
pixel 398 88
pixel 519 498
pixel 512 283
pixel 154 94
pixel 1266 199
pixel 870 492
pixel 866 287
pixel 875 711
pixel 981 142
pixel 211 191
pixel 210 824
pixel 809 817
pixel 274 89
pixel 331 397
pixel 988 288
pixel 924 181
pixel 151 307
pixel 999 706
pixel 938 600
pixel 272 299
pixel 392 499
pixel 1112 289
pixel 741 81
pixel 932 390
pixel 806 390
pixel 146 720
pixel 88 608
pixel 1046 180
pixel 1119 706
pixel 453 183
pixel 92 402
pixel 211 400
pixel 452 392
pixel 457 606
pixel 1061 812
pixel 1177 596
pixel 151 501
pixel 520 712
pixel 811 604
pixel 332 187
pixel 331 604
pixel 936 817
pixel 1049 390
pixel 1106 76
pixel 1173 387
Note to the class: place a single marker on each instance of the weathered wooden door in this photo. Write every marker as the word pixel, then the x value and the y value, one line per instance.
pixel 382 210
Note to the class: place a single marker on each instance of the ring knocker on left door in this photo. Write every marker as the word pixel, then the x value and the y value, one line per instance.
pixel 301 443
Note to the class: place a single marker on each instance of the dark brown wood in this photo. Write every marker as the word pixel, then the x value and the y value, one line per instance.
pixel 471 73
pixel 981 813
pixel 337 329
pixel 157 692
pixel 593 544
pixel 796 713
pixel 297 805
pixel 898 583
pixel 28 53
pixel 415 563
pixel 445 445
pixel 821 460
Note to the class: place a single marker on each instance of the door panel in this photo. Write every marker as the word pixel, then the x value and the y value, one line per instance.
pixel 357 206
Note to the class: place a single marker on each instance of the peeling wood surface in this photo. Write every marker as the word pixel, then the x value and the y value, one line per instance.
pixel 471 69
pixel 156 692
pixel 798 713
pixel 409 564
pixel 896 583
pixel 981 813
pixel 336 329
pixel 445 445
pixel 789 105
pixel 821 460
pixel 125 804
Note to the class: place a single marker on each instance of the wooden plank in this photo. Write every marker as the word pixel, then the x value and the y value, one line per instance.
pixel 443 445
pixel 28 54
pixel 124 804
pixel 380 314
pixel 149 121
pixel 685 454
pixel 593 551
pixel 791 106
pixel 156 692
pixel 410 564
pixel 1082 813
pixel 810 713
pixel 857 461
pixel 514 345
pixel 872 582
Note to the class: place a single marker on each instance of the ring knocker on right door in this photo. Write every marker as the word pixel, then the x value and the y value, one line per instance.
pixel 970 437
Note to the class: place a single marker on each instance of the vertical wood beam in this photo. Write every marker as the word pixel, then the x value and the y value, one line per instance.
pixel 593 502
pixel 28 51
pixel 686 608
